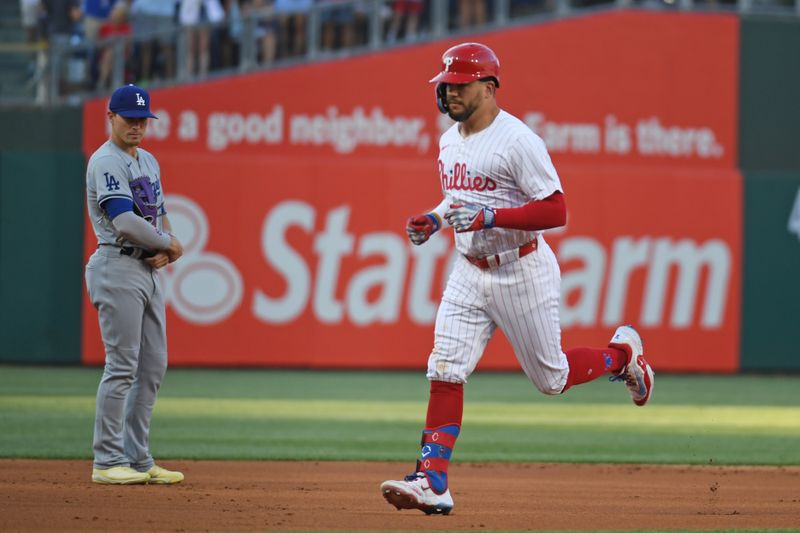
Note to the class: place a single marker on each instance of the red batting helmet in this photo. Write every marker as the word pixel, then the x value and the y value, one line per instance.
pixel 468 62
pixel 464 63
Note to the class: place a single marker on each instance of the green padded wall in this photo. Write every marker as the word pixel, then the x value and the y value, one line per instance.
pixel 771 292
pixel 769 156
pixel 41 236
pixel 769 101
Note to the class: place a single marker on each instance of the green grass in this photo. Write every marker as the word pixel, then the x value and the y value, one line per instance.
pixel 260 414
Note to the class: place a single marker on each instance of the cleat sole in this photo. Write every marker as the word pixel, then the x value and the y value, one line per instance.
pixel 402 501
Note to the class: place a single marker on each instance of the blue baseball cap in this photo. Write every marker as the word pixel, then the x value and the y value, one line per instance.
pixel 130 101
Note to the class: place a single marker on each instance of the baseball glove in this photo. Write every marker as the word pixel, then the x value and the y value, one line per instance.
pixel 144 199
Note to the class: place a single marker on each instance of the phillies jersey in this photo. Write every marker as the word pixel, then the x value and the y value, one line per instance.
pixel 503 165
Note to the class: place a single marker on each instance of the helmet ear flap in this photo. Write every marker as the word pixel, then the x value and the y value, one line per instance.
pixel 441 97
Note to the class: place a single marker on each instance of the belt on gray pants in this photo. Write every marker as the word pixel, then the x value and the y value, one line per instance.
pixel 132 251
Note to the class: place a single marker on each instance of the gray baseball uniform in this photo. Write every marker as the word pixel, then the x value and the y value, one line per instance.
pixel 129 298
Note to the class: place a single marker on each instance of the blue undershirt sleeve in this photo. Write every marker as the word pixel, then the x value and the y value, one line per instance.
pixel 116 206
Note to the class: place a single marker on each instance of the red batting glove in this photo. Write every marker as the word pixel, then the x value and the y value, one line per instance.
pixel 469 217
pixel 421 227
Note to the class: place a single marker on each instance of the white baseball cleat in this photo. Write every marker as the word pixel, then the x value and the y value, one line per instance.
pixel 415 492
pixel 637 374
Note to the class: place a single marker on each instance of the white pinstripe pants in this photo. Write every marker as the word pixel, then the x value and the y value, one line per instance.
pixel 522 299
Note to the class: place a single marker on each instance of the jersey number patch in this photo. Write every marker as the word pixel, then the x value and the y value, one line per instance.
pixel 111 182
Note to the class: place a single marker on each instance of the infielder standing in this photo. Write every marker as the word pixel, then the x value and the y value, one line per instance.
pixel 126 207
pixel 500 191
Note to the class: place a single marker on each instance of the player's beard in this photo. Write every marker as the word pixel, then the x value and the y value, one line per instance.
pixel 464 114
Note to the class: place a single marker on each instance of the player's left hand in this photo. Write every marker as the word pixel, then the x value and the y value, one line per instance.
pixel 469 217
pixel 160 260
pixel 421 227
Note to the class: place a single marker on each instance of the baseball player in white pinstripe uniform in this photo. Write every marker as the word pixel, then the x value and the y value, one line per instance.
pixel 500 191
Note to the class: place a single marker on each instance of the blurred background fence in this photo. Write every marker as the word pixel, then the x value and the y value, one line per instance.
pixel 60 51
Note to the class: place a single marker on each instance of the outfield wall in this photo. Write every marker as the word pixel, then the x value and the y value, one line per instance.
pixel 290 189
pixel 769 153
pixel 41 235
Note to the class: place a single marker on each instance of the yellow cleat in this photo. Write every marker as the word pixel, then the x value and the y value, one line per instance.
pixel 119 475
pixel 162 476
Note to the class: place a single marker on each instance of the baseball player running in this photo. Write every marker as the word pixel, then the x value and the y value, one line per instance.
pixel 126 207
pixel 500 191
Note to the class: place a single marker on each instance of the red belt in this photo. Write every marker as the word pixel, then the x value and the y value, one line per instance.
pixel 493 261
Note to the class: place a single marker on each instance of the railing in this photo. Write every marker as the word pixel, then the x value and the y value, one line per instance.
pixel 66 74
pixel 30 84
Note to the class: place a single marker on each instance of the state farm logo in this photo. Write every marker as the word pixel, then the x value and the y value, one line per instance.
pixel 655 280
pixel 680 277
pixel 313 278
pixel 202 287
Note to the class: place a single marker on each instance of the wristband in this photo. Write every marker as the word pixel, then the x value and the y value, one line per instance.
pixel 437 223
pixel 488 218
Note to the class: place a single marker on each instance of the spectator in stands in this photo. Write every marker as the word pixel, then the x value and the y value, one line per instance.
pixel 95 13
pixel 62 29
pixel 339 23
pixel 154 26
pixel 116 26
pixel 293 17
pixel 30 11
pixel 196 15
pixel 471 13
pixel 408 11
pixel 62 17
pixel 226 38
pixel 266 29
pixel 523 8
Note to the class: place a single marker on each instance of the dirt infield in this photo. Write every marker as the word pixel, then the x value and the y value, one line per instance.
pixel 261 496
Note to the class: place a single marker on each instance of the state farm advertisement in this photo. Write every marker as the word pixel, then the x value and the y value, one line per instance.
pixel 290 191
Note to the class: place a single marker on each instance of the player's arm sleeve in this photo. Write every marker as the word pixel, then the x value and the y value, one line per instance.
pixel 550 212
pixel 116 206
pixel 137 230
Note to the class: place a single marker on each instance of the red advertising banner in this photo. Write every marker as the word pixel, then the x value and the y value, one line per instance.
pixel 290 190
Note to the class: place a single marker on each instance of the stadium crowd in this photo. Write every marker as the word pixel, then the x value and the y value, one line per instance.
pixel 158 41
pixel 215 29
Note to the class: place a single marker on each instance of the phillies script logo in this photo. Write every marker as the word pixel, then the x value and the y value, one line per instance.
pixel 460 181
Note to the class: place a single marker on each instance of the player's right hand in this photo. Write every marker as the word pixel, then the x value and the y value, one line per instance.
pixel 421 227
pixel 175 249
pixel 469 217
pixel 160 260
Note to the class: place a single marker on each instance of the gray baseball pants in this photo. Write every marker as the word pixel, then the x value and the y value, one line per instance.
pixel 129 299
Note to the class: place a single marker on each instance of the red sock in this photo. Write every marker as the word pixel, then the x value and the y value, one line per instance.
pixel 445 405
pixel 445 409
pixel 587 364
